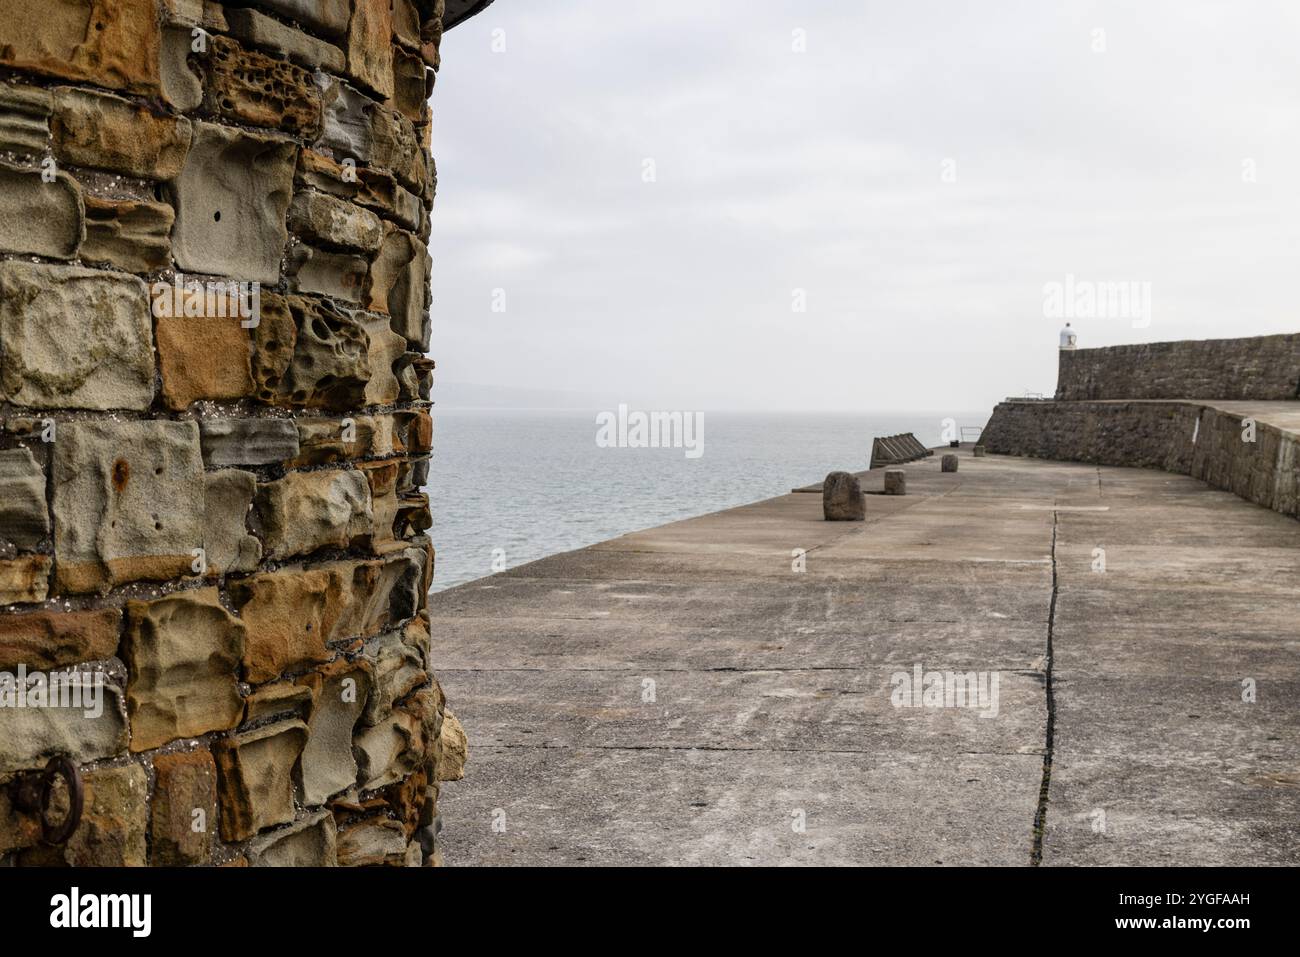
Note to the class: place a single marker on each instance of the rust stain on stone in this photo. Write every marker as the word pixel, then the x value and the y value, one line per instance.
pixel 121 474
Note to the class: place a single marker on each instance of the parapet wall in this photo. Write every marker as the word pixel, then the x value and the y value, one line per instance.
pixel 1188 438
pixel 1264 367
pixel 214 430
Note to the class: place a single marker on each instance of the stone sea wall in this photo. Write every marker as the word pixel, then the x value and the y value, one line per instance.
pixel 214 431
pixel 1188 438
pixel 1264 367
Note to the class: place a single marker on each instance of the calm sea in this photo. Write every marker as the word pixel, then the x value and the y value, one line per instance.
pixel 513 487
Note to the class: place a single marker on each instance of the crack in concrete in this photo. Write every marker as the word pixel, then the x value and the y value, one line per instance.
pixel 1040 815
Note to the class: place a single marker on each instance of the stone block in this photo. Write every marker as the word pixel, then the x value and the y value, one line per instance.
pixel 323 273
pixel 244 86
pixel 48 640
pixel 24 519
pixel 131 235
pixel 103 131
pixel 400 744
pixel 329 17
pixel 182 653
pixel 372 842
pixel 455 748
pixel 255 778
pixel 398 670
pixel 24 579
pixel 294 615
pixel 40 218
pixel 329 368
pixel 895 482
pixel 370 46
pixel 110 43
pixel 128 502
pixel 311 842
pixel 114 820
pixel 228 546
pixel 24 120
pixel 184 808
pixel 842 498
pixel 980 451
pixel 412 86
pixel 280 700
pixel 274 339
pixel 374 189
pixel 44 309
pixel 357 127
pixel 218 230
pixel 339 695
pixel 248 441
pixel 93 728
pixel 306 511
pixel 382 477
pixel 398 285
pixel 406 24
pixel 384 349
pixel 258 30
pixel 330 222
pixel 182 85
pixel 203 357
pixel 949 463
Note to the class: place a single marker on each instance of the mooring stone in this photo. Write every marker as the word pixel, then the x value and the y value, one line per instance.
pixel 43 308
pixel 949 463
pixel 218 230
pixel 842 498
pixel 183 654
pixel 895 482
pixel 128 502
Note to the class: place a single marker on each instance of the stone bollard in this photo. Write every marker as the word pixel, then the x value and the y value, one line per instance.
pixel 979 451
pixel 842 498
pixel 895 482
pixel 950 463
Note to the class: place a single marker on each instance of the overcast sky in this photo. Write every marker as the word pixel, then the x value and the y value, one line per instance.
pixel 921 171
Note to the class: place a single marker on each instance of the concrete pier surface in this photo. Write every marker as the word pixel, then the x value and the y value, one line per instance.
pixel 724 690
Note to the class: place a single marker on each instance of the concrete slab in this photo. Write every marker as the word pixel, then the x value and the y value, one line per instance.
pixel 680 695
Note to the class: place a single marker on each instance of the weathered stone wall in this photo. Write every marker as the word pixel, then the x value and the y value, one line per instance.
pixel 220 516
pixel 1264 367
pixel 1187 438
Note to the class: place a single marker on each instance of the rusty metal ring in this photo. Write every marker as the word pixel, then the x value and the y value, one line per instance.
pixel 61 767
